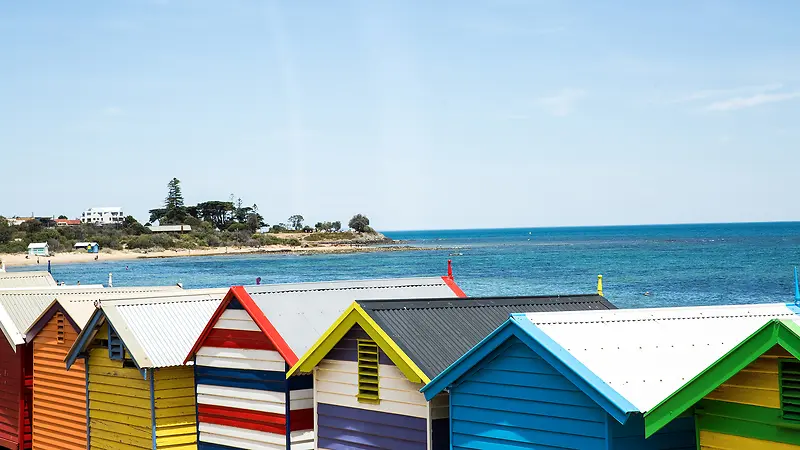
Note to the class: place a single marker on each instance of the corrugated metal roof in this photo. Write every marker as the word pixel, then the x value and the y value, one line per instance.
pixel 302 312
pixel 26 279
pixel 647 354
pixel 160 331
pixel 435 333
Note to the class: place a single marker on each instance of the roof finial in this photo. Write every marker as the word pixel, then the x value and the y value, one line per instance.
pixel 796 287
pixel 599 285
pixel 450 268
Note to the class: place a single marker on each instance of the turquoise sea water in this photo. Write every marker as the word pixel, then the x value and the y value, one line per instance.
pixel 677 264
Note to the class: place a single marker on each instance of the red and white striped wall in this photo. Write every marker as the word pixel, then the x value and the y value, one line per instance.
pixel 243 396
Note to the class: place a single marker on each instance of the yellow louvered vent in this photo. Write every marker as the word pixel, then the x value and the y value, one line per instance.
pixel 368 372
pixel 790 390
pixel 60 328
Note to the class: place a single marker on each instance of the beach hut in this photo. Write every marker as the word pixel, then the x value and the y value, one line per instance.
pixel 141 396
pixel 19 308
pixel 747 399
pixel 369 366
pixel 589 379
pixel 59 396
pixel 38 249
pixel 90 247
pixel 244 400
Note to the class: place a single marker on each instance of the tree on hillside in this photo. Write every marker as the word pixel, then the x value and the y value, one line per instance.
pixel 336 226
pixel 63 217
pixel 6 232
pixel 218 213
pixel 174 210
pixel 360 223
pixel 296 221
pixel 133 226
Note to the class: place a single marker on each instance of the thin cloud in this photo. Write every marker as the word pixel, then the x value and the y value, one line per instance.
pixel 737 103
pixel 736 91
pixel 562 103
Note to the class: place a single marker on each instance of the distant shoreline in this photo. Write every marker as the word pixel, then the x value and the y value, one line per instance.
pixel 19 260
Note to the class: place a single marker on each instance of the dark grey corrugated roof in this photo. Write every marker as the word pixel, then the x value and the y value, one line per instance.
pixel 434 333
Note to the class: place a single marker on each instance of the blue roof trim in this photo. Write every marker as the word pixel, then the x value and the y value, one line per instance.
pixel 520 326
pixel 83 338
pixel 793 308
pixel 562 360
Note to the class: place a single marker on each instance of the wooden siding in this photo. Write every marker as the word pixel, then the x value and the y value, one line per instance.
pixel 119 403
pixel 347 347
pixel 10 386
pixel 336 383
pixel 756 384
pixel 176 419
pixel 440 421
pixel 399 420
pixel 516 399
pixel 59 395
pixel 719 441
pixel 242 390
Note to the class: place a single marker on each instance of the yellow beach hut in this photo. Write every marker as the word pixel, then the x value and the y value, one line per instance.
pixel 141 396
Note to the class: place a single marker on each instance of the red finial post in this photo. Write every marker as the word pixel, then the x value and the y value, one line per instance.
pixel 450 268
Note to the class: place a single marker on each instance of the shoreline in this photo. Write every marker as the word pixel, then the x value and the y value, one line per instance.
pixel 20 260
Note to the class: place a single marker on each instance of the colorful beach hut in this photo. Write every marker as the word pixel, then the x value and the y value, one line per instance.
pixel 369 366
pixel 244 400
pixel 589 379
pixel 747 399
pixel 19 308
pixel 59 395
pixel 140 395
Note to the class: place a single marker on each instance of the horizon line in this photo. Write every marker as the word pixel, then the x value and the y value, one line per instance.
pixel 539 227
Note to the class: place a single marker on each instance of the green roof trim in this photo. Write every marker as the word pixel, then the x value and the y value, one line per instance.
pixel 785 333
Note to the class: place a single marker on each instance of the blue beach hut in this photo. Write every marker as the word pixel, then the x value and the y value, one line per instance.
pixel 586 379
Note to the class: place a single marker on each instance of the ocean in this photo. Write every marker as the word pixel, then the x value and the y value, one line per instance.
pixel 678 265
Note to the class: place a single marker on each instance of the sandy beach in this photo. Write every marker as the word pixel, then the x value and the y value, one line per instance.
pixel 19 259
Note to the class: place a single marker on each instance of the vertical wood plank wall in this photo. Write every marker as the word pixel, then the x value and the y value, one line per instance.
pixel 241 390
pixel 119 403
pixel 10 385
pixel 176 413
pixel 400 420
pixel 59 395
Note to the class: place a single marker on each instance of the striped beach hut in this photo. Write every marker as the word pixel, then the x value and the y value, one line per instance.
pixel 369 366
pixel 241 360
pixel 140 395
pixel 59 395
pixel 589 380
pixel 19 308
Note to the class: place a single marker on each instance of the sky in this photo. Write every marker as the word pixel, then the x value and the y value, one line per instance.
pixel 419 114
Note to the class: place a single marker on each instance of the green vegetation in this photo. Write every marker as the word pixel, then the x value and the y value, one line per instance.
pixel 214 223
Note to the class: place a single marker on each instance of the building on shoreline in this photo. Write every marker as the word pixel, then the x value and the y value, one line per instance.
pixel 103 215
pixel 38 249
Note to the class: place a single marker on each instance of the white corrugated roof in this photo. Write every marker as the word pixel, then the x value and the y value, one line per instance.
pixel 37 279
pixel 160 331
pixel 302 312
pixel 37 245
pixel 22 308
pixel 647 354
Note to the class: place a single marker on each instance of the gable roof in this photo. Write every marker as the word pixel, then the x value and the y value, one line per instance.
pixel 785 333
pixel 435 333
pixel 156 331
pixel 294 316
pixel 560 359
pixel 37 279
pixel 423 337
pixel 79 306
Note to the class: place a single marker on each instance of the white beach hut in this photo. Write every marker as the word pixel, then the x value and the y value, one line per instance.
pixel 38 249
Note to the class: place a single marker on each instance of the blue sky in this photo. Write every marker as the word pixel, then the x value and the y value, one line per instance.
pixel 447 114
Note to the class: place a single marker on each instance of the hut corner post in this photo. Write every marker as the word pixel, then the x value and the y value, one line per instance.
pixel 21 414
pixel 288 407
pixel 600 285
